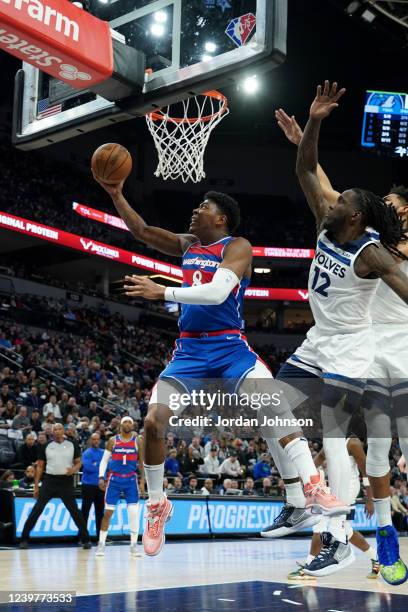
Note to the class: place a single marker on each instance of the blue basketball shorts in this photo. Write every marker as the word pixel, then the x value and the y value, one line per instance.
pixel 118 485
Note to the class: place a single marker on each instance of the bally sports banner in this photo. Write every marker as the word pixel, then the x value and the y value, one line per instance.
pixel 136 260
pixel 258 251
pixel 190 517
pixel 58 38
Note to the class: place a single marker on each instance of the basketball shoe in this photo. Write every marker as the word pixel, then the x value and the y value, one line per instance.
pixel 320 500
pixel 290 520
pixel 157 516
pixel 392 567
pixel 333 557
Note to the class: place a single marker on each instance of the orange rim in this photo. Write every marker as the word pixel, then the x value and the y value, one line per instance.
pixel 217 95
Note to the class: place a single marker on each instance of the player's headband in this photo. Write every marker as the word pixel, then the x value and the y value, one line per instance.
pixel 126 418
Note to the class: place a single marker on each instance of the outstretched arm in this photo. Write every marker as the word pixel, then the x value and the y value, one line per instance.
pixel 294 133
pixel 307 158
pixel 237 260
pixel 156 237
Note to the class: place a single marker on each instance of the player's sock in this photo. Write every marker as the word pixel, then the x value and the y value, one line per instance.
pixel 337 528
pixel 371 553
pixel 133 514
pixel 299 452
pixel 338 467
pixel 154 478
pixel 294 495
pixel 309 559
pixel 382 509
pixel 102 537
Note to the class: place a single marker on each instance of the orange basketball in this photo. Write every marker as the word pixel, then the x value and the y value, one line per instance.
pixel 111 163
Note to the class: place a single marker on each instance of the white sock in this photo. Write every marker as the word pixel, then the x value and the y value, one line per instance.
pixel 102 537
pixel 338 467
pixel 294 495
pixel 309 559
pixel 154 478
pixel 371 554
pixel 133 515
pixel 337 527
pixel 382 509
pixel 299 452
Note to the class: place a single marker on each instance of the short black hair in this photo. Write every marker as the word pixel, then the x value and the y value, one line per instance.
pixel 228 207
pixel 401 191
pixel 383 218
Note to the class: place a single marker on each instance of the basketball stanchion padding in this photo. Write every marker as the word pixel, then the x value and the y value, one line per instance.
pixel 181 131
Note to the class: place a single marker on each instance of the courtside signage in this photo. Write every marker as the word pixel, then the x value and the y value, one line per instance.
pixel 191 517
pixel 92 247
pixel 63 40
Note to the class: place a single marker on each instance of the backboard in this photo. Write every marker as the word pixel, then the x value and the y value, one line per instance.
pixel 190 46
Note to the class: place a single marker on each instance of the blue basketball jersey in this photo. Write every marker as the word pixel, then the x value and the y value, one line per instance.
pixel 199 265
pixel 124 456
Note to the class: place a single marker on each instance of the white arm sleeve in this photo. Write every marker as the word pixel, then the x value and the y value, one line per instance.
pixel 209 294
pixel 104 463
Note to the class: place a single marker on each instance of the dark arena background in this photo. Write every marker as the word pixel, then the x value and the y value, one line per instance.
pixel 77 352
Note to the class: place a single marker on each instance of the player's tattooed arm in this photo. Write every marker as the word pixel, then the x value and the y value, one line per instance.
pixel 294 133
pixel 156 237
pixel 377 262
pixel 307 158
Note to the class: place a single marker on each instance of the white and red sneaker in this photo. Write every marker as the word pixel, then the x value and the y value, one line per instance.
pixel 320 501
pixel 157 516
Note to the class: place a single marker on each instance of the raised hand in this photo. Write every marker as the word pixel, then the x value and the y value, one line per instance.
pixel 114 189
pixel 289 126
pixel 142 286
pixel 325 101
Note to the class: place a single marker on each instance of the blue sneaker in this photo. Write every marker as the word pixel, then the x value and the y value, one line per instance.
pixel 392 567
pixel 333 557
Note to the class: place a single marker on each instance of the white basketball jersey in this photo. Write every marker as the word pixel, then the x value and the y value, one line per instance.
pixel 339 299
pixel 386 306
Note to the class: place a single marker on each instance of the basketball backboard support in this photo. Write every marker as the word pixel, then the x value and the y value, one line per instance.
pixel 191 46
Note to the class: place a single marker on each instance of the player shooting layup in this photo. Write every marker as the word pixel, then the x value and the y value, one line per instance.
pixel 216 271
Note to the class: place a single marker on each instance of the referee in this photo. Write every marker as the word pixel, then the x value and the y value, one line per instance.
pixel 61 459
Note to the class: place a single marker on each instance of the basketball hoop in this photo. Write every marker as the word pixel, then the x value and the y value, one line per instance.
pixel 181 132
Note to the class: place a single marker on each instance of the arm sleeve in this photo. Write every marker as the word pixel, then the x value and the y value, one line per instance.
pixel 209 294
pixel 104 463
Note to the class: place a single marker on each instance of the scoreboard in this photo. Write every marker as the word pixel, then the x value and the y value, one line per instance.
pixel 385 123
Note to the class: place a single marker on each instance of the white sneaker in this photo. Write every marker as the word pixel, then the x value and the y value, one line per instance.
pixel 100 551
pixel 135 552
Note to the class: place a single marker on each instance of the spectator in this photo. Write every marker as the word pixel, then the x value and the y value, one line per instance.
pixel 198 450
pixel 63 405
pixel 35 420
pixel 171 464
pixel 231 467
pixel 235 488
pixel 249 487
pixel 42 439
pixel 21 421
pixel 167 486
pixel 227 488
pixel 6 394
pixel 212 442
pixel 177 486
pixel 398 512
pixel 262 469
pixel 208 487
pixel 91 493
pixel 266 490
pixel 6 479
pixel 190 464
pixel 93 410
pixel 191 489
pixel 33 400
pixel 53 407
pixel 28 452
pixel 211 465
pixel 28 481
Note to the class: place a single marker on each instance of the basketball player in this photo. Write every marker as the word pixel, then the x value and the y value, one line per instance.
pixel 358 467
pixel 391 354
pixel 216 272
pixel 340 347
pixel 121 457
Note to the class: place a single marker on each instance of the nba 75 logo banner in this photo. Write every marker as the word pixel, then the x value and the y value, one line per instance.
pixel 58 38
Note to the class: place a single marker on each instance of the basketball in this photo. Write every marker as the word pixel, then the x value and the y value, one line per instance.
pixel 111 163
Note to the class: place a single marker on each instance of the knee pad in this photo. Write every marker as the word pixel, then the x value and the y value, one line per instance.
pixel 377 463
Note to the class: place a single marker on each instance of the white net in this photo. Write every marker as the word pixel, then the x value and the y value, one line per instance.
pixel 181 132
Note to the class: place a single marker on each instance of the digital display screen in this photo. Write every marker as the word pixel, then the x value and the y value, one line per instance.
pixel 385 123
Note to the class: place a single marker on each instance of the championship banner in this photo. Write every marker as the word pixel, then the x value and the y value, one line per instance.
pixel 257 251
pixel 136 260
pixel 58 38
pixel 191 517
